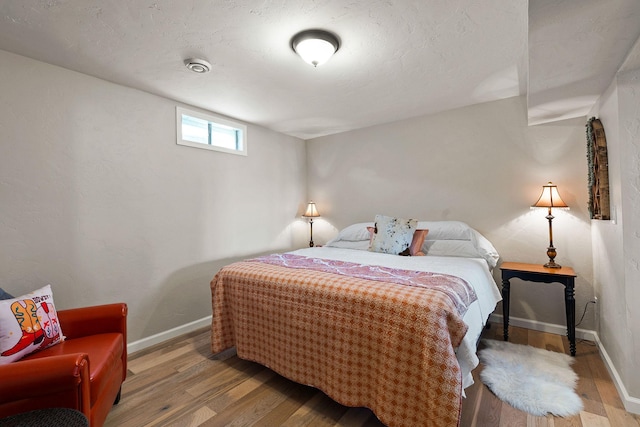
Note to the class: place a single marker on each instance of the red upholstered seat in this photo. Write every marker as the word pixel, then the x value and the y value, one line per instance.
pixel 84 372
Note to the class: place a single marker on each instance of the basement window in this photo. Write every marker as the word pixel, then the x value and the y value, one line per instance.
pixel 200 130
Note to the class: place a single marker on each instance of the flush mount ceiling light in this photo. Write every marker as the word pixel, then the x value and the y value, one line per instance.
pixel 197 65
pixel 315 46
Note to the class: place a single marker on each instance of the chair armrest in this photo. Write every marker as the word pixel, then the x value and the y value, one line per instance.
pixel 99 319
pixel 63 378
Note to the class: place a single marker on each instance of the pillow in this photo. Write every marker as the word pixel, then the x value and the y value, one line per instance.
pixel 394 235
pixel 486 249
pixel 479 247
pixel 27 324
pixel 475 245
pixel 372 232
pixel 447 230
pixel 362 245
pixel 415 248
pixel 459 248
pixel 353 233
pixel 4 295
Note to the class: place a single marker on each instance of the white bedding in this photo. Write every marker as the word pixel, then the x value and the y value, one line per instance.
pixel 474 270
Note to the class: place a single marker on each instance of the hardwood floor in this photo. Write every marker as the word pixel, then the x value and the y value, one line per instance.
pixel 179 383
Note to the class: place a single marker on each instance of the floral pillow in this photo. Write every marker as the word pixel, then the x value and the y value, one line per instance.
pixel 392 235
pixel 415 248
pixel 27 324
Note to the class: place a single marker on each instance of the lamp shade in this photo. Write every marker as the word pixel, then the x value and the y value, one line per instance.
pixel 315 46
pixel 550 198
pixel 311 211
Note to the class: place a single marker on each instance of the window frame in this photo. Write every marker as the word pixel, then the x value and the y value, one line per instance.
pixel 216 120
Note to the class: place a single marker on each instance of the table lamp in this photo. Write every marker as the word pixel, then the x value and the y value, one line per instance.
pixel 550 199
pixel 311 213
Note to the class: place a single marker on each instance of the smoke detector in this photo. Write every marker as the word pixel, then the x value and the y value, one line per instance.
pixel 197 65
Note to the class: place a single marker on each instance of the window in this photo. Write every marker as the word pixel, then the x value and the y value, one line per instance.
pixel 207 131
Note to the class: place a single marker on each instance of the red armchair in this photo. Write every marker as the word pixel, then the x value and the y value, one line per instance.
pixel 84 372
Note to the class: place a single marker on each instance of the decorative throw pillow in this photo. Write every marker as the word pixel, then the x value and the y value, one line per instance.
pixel 27 324
pixel 372 233
pixel 393 235
pixel 415 248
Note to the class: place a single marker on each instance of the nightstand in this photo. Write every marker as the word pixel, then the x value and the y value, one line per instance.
pixel 540 273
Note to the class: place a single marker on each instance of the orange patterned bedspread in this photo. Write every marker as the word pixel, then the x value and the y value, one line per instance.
pixel 385 346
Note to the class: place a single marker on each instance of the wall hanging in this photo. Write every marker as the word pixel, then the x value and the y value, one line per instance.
pixel 598 170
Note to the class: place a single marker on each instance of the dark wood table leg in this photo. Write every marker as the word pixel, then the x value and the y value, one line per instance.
pixel 570 307
pixel 505 307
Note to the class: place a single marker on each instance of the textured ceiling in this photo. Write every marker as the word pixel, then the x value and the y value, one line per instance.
pixel 398 59
pixel 575 48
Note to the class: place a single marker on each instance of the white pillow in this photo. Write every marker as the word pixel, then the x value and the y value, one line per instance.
pixel 478 247
pixel 362 245
pixel 353 233
pixel 393 235
pixel 486 249
pixel 459 248
pixel 447 230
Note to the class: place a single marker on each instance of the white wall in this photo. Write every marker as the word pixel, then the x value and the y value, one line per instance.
pixel 97 199
pixel 616 244
pixel 629 108
pixel 607 238
pixel 480 164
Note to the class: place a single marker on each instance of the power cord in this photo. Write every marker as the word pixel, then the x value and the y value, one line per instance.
pixel 582 318
pixel 584 311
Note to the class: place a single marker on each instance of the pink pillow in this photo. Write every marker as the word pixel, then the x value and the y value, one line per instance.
pixel 372 232
pixel 415 248
pixel 416 244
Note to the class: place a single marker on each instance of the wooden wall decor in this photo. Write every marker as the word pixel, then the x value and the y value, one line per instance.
pixel 598 170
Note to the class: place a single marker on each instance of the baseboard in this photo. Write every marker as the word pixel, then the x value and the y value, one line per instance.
pixel 631 404
pixel 167 335
pixel 552 328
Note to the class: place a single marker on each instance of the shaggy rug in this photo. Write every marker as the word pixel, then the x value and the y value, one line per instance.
pixel 530 379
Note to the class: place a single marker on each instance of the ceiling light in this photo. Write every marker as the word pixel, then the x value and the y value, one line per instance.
pixel 197 65
pixel 315 46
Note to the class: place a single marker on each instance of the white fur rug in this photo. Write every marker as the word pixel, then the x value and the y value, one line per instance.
pixel 533 380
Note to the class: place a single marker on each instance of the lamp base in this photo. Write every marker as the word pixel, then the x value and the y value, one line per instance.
pixel 551 253
pixel 552 264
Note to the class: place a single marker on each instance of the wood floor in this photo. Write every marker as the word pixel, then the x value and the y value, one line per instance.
pixel 179 383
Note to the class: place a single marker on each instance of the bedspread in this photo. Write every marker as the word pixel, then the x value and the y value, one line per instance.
pixel 385 346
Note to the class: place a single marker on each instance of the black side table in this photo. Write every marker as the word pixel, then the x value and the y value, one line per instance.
pixel 540 273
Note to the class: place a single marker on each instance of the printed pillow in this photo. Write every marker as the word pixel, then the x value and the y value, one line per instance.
pixel 27 324
pixel 415 248
pixel 394 235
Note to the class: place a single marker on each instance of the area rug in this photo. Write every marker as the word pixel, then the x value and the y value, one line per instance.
pixel 530 379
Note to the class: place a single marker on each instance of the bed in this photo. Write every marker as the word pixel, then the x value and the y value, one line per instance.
pixel 396 334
